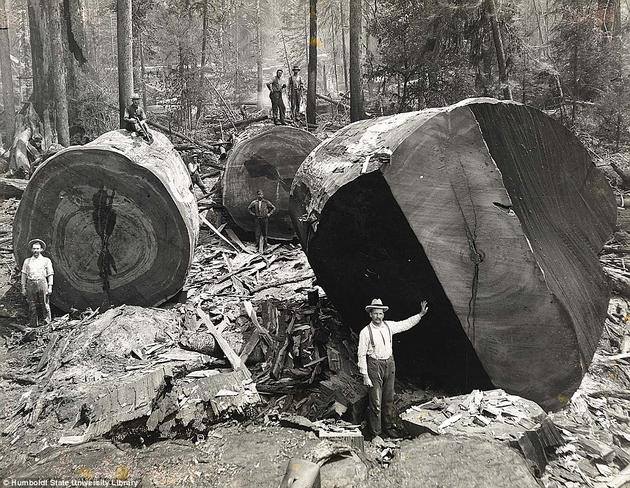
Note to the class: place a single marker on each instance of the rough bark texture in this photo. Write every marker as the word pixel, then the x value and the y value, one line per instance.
pixel 27 123
pixel 356 93
pixel 267 161
pixel 8 98
pixel 311 102
pixel 125 55
pixel 119 219
pixel 498 47
pixel 491 211
pixel 57 73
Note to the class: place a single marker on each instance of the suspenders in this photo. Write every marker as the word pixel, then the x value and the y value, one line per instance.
pixel 372 336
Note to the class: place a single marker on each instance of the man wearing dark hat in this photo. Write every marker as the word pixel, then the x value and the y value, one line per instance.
pixel 37 283
pixel 296 89
pixel 135 119
pixel 376 364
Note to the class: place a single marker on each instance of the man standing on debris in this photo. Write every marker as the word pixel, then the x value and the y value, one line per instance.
pixel 296 88
pixel 37 283
pixel 135 119
pixel 376 364
pixel 192 162
pixel 275 87
pixel 261 209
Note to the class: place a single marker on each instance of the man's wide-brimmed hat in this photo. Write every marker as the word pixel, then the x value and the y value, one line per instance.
pixel 136 96
pixel 296 68
pixel 377 304
pixel 37 241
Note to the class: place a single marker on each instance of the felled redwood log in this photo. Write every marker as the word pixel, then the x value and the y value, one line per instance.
pixel 119 219
pixel 491 211
pixel 267 161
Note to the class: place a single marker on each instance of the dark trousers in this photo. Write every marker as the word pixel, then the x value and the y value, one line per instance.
pixel 382 373
pixel 260 227
pixel 196 179
pixel 277 105
pixel 295 105
pixel 38 305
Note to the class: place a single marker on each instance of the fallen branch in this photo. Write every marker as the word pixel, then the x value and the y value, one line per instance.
pixel 336 102
pixel 284 282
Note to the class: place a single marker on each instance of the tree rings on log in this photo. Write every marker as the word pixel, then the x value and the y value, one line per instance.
pixel 268 162
pixel 494 213
pixel 119 219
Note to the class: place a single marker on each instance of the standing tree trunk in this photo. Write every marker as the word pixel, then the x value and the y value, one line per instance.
pixel 8 98
pixel 498 47
pixel 143 84
pixel 356 95
pixel 58 74
pixel 334 52
pixel 125 56
pixel 204 55
pixel 343 46
pixel 259 67
pixel 311 102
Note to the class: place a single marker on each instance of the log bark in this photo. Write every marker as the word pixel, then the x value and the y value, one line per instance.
pixel 268 161
pixel 119 219
pixel 311 92
pixel 8 97
pixel 356 91
pixel 125 55
pixel 491 211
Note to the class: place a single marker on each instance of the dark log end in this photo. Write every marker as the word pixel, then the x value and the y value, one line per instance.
pixel 268 161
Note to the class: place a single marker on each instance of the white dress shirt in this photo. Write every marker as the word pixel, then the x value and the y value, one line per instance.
pixel 382 348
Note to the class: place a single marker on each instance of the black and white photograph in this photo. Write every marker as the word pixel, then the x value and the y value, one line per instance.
pixel 315 243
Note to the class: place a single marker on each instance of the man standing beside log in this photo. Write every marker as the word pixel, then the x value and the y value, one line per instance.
pixel 275 87
pixel 296 88
pixel 261 209
pixel 376 364
pixel 37 283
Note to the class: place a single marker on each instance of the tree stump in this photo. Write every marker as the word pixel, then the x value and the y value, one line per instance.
pixel 267 161
pixel 491 211
pixel 119 219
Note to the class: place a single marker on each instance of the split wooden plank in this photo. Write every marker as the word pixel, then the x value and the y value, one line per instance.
pixel 250 345
pixel 239 243
pixel 216 231
pixel 232 357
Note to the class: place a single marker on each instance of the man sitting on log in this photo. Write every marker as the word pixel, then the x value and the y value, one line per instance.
pixel 37 283
pixel 275 94
pixel 135 119
pixel 376 364
pixel 261 209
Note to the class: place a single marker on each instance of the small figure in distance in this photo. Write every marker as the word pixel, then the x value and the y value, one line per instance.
pixel 261 209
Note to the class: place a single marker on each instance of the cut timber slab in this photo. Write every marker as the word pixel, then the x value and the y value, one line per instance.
pixel 119 219
pixel 494 213
pixel 453 462
pixel 268 161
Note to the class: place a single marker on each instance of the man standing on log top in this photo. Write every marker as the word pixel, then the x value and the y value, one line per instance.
pixel 275 87
pixel 135 119
pixel 376 364
pixel 261 209
pixel 296 88
pixel 37 283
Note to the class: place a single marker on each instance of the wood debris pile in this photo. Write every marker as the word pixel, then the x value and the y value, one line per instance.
pixel 587 443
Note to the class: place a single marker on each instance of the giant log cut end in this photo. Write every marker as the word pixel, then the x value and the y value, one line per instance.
pixel 119 219
pixel 268 161
pixel 491 211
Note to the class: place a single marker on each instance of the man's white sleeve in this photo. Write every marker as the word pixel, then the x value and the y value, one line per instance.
pixel 362 352
pixel 404 325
